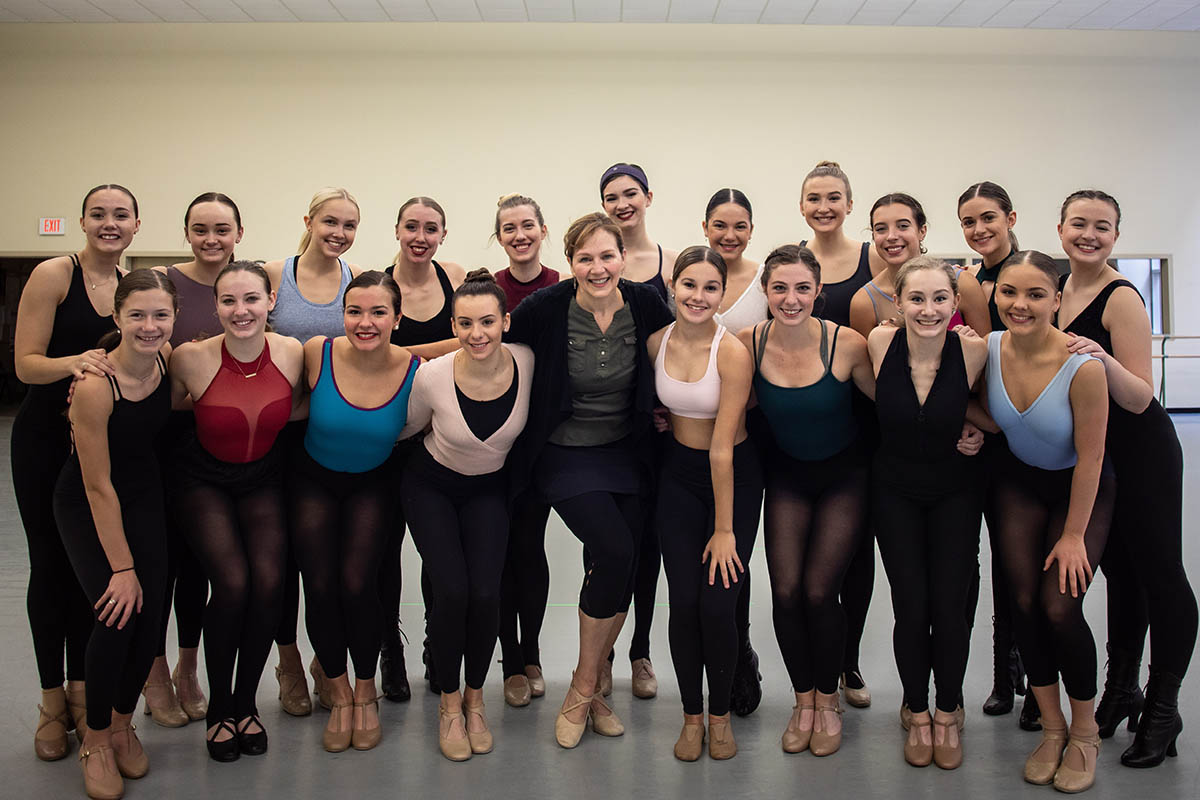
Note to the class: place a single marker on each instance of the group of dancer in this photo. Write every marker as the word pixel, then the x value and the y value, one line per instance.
pixel 659 402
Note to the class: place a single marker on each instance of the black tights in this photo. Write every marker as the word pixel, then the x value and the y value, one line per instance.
pixel 1052 633
pixel 859 582
pixel 703 616
pixel 610 526
pixel 459 524
pixel 59 613
pixel 525 586
pixel 187 586
pixel 118 660
pixel 930 549
pixel 814 514
pixel 339 523
pixel 1143 563
pixel 238 531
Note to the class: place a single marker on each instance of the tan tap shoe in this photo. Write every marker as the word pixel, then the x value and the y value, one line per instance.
pixel 191 696
pixel 101 780
pixel 1040 770
pixel 50 740
pixel 1070 780
pixel 823 743
pixel 131 758
pixel 795 738
pixel 362 737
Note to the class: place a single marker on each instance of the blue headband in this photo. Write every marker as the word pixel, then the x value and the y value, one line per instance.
pixel 632 170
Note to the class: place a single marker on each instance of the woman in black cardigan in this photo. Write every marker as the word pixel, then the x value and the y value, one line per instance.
pixel 586 447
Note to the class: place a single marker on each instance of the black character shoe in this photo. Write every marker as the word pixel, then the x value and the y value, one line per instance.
pixel 252 744
pixel 1031 715
pixel 747 683
pixel 393 675
pixel 1160 725
pixel 1122 696
pixel 430 670
pixel 226 750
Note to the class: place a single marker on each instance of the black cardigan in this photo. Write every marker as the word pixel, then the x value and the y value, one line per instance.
pixel 540 321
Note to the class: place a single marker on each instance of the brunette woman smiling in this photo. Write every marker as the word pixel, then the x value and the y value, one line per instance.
pixel 65 307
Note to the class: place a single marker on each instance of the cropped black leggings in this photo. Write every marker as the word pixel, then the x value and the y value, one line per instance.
pixel 233 518
pixel 1143 563
pixel 339 523
pixel 1052 634
pixel 525 585
pixel 459 524
pixel 814 519
pixel 610 527
pixel 930 547
pixel 118 661
pixel 57 606
pixel 186 585
pixel 703 617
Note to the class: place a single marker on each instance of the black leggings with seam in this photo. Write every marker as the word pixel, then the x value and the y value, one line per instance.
pixel 1053 636
pixel 703 617
pixel 525 585
pixel 459 524
pixel 118 660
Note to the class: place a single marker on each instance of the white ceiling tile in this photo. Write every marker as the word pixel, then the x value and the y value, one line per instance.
pixel 74 10
pixel 1187 21
pixel 1155 14
pixel 263 10
pixel 408 10
pixel 927 13
pixel 787 11
pixel 973 13
pixel 597 10
pixel 455 10
pixel 1019 13
pixel 645 10
pixel 880 12
pixel 692 11
pixel 502 10
pixel 1066 13
pixel 550 10
pixel 739 11
pixel 832 12
pixel 360 10
pixel 226 11
pixel 10 16
pixel 314 11
pixel 173 10
pixel 1111 13
pixel 125 10
pixel 32 11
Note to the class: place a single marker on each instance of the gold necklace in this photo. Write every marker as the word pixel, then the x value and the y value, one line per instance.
pixel 257 366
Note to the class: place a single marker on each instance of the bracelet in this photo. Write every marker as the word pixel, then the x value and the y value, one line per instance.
pixel 119 571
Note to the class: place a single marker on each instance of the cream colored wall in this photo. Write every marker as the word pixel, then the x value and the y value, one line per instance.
pixel 465 113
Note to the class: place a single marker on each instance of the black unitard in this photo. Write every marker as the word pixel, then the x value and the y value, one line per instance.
pixel 118 661
pixel 927 511
pixel 57 606
pixel 1143 562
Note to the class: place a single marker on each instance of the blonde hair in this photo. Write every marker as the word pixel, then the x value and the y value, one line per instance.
pixel 924 262
pixel 319 199
pixel 828 169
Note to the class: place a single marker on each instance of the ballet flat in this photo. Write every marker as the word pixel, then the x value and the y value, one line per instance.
pixel 566 732
pixel 517 691
pixel 537 683
pixel 605 724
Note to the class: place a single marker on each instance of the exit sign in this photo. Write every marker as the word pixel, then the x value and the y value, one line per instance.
pixel 52 226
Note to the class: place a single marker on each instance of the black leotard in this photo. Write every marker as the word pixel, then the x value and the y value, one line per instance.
pixel 657 281
pixel 412 331
pixel 834 303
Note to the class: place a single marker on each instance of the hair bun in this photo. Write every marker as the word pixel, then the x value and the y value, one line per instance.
pixel 479 275
pixel 831 164
pixel 506 197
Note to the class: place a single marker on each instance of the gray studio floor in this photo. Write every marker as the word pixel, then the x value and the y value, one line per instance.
pixel 527 763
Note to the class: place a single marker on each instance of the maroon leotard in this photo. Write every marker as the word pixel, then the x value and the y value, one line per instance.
pixel 243 409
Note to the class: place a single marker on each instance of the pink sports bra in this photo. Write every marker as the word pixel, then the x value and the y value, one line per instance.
pixel 692 399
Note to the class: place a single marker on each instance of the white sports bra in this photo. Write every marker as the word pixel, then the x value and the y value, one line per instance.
pixel 692 399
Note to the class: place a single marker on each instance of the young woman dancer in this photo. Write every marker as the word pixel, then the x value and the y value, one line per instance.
pixel 816 484
pixel 108 503
pixel 454 494
pixel 728 225
pixel 229 494
pixel 425 330
pixel 986 214
pixel 1143 563
pixel 1057 505
pixel 308 291
pixel 213 227
pixel 925 500
pixel 65 307
pixel 898 227
pixel 709 495
pixel 521 231
pixel 826 199
pixel 625 196
pixel 586 447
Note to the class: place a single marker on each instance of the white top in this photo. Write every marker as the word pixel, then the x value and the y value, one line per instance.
pixel 451 442
pixel 749 309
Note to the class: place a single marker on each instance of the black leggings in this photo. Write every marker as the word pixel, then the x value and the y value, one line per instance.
pixel 59 613
pixel 1052 633
pixel 610 526
pixel 703 617
pixel 1143 563
pixel 930 546
pixel 186 584
pixel 118 661
pixel 858 584
pixel 525 586
pixel 459 524
pixel 291 442
pixel 339 523
pixel 234 520
pixel 814 518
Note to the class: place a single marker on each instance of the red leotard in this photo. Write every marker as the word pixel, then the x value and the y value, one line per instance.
pixel 243 409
